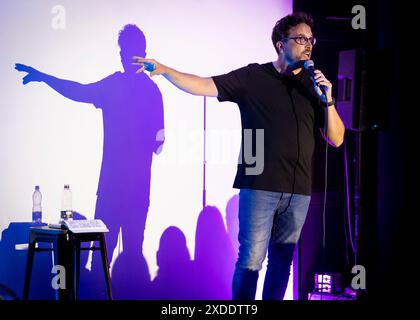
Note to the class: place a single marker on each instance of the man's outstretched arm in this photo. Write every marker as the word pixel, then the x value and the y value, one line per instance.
pixel 187 82
pixel 70 89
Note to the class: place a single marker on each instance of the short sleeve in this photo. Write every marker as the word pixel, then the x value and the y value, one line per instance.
pixel 99 91
pixel 232 86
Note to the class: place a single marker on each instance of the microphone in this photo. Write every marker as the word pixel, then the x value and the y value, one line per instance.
pixel 310 67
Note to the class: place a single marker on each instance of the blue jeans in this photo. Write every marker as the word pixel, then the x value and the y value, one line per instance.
pixel 267 221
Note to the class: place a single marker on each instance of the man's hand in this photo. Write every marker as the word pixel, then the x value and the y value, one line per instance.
pixel 187 82
pixel 320 81
pixel 149 65
pixel 33 74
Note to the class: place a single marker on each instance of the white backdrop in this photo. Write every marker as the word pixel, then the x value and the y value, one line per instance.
pixel 48 140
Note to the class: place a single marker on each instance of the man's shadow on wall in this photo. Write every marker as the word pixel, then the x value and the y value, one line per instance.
pixel 132 111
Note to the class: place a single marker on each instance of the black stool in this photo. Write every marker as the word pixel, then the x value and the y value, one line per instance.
pixel 67 246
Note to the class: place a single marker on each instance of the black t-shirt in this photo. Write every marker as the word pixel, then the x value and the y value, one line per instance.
pixel 287 108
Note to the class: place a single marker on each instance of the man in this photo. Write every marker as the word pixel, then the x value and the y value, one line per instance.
pixel 281 98
pixel 132 111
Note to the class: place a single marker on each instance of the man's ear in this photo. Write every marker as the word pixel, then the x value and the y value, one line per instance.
pixel 279 46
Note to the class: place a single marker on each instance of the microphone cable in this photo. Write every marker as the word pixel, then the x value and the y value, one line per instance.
pixel 325 133
pixel 308 65
pixel 325 176
pixel 324 205
pixel 324 227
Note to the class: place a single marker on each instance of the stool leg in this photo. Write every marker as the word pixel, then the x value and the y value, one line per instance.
pixel 77 252
pixel 105 265
pixel 28 272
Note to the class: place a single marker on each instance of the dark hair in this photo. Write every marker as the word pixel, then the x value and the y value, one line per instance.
pixel 282 27
pixel 131 35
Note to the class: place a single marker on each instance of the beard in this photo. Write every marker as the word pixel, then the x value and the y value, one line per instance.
pixel 305 55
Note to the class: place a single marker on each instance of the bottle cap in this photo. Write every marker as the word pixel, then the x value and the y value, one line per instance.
pixel 36 187
pixel 66 186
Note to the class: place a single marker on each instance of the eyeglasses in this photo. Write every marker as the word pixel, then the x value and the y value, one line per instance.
pixel 302 40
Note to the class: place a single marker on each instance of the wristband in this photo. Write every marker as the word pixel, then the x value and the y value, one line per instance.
pixel 331 103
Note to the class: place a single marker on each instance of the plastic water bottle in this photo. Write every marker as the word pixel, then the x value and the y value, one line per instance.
pixel 36 205
pixel 66 207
